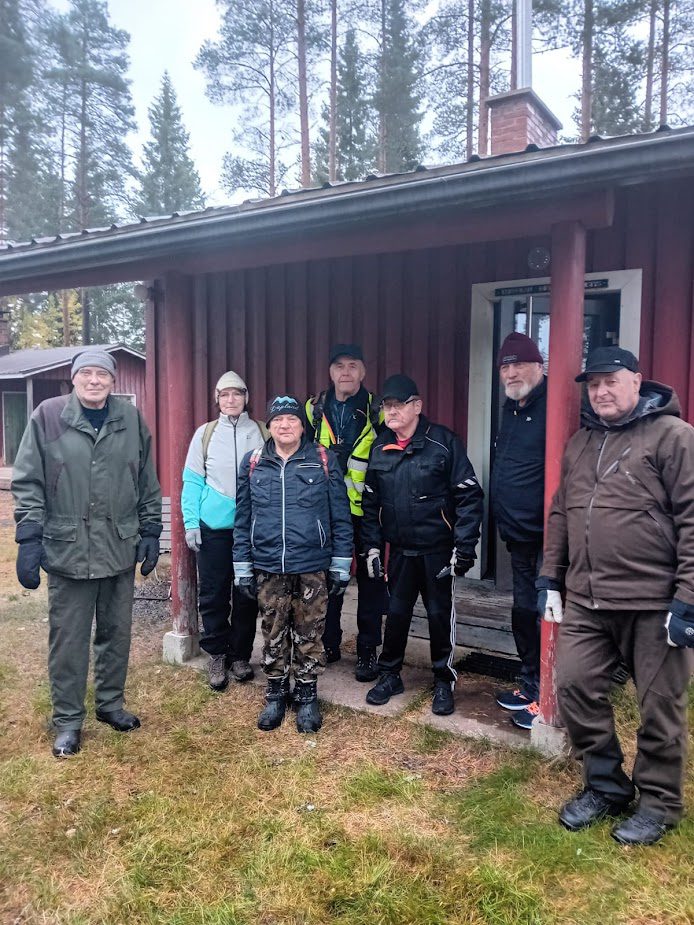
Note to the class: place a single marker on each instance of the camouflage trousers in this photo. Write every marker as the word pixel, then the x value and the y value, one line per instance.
pixel 292 608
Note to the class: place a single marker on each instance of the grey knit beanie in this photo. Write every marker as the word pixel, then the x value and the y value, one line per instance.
pixel 94 358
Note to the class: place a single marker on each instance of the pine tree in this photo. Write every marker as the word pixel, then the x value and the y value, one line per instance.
pixel 170 181
pixel 250 65
pixel 397 99
pixel 355 148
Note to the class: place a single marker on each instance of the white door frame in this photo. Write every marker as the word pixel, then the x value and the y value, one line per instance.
pixel 479 412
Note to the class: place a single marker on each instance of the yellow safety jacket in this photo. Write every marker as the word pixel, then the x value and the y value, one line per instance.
pixel 358 460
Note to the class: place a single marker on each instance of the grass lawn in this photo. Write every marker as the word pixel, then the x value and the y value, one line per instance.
pixel 200 819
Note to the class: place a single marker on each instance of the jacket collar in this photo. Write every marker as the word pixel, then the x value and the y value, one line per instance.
pixel 226 419
pixel 73 417
pixel 532 396
pixel 654 398
pixel 270 451
pixel 418 437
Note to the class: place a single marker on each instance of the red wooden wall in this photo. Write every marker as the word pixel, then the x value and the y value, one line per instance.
pixel 411 312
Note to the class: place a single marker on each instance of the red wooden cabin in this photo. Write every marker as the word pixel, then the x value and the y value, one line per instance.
pixel 428 270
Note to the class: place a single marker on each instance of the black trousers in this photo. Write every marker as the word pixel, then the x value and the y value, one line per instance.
pixel 372 603
pixel 590 646
pixel 226 630
pixel 409 576
pixel 526 563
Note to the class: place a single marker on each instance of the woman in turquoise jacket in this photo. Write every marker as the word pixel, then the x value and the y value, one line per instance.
pixel 208 503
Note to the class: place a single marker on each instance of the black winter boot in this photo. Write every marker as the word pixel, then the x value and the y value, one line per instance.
pixel 308 718
pixel 276 696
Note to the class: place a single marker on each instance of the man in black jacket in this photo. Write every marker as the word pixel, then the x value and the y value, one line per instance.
pixel 423 498
pixel 517 494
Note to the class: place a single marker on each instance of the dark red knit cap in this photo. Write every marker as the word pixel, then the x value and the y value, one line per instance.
pixel 518 348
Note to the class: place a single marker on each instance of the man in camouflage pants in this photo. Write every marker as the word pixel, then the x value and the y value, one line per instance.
pixel 293 525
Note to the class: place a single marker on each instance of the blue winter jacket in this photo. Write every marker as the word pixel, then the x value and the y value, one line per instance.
pixel 290 517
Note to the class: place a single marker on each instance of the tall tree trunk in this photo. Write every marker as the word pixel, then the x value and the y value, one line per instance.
pixel 587 75
pixel 332 124
pixel 382 130
pixel 86 320
pixel 485 51
pixel 514 46
pixel 665 63
pixel 65 307
pixel 303 93
pixel 470 98
pixel 63 182
pixel 272 169
pixel 650 67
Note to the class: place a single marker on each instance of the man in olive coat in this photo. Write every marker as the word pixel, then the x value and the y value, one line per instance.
pixel 87 507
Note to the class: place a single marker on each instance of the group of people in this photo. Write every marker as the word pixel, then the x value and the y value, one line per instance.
pixel 280 512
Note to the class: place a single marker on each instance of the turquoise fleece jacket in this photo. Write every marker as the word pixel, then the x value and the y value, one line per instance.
pixel 209 488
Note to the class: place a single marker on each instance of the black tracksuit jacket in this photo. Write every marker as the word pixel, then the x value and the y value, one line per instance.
pixel 424 498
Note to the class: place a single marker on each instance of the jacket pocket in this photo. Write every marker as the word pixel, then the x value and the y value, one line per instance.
pixel 61 529
pixel 128 528
pixel 309 481
pixel 261 488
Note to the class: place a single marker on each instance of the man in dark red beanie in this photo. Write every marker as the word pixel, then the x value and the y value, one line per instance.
pixel 517 492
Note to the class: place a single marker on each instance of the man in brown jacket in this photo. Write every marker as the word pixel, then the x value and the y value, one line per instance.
pixel 620 541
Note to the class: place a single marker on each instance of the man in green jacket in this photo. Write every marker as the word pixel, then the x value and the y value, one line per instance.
pixel 87 508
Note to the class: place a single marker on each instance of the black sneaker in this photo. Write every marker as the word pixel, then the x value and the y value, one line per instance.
pixel 332 654
pixel 367 665
pixel 513 700
pixel 442 704
pixel 588 807
pixel 640 829
pixel 389 684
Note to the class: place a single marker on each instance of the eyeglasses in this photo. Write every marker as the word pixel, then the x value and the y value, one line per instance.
pixel 393 404
pixel 102 375
pixel 231 394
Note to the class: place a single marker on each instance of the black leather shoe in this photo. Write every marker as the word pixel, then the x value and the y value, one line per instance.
pixel 332 654
pixel 388 685
pixel 442 704
pixel 640 829
pixel 67 743
pixel 588 807
pixel 367 664
pixel 120 720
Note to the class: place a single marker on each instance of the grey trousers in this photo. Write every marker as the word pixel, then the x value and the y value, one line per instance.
pixel 72 606
pixel 590 645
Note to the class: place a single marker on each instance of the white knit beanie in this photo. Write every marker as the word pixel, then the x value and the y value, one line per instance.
pixel 230 380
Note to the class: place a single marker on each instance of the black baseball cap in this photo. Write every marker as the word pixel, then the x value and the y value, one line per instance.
pixel 607 360
pixel 353 351
pixel 399 387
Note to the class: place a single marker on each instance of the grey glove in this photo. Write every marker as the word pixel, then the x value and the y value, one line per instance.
pixel 194 539
pixel 374 568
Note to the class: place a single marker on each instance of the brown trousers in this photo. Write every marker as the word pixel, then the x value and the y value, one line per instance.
pixel 590 645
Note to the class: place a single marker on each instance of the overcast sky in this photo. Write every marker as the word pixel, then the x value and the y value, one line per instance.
pixel 167 35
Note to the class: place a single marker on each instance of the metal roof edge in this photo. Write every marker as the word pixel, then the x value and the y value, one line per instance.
pixel 621 162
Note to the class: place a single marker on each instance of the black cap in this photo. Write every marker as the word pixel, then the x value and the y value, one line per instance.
pixel 285 404
pixel 400 387
pixel 607 360
pixel 353 351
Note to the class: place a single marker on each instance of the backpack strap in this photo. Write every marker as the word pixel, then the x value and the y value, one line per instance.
pixel 323 453
pixel 255 456
pixel 206 437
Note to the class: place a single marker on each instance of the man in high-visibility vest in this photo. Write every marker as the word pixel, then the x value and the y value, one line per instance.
pixel 344 419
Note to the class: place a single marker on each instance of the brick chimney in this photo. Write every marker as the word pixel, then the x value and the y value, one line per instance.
pixel 4 331
pixel 520 118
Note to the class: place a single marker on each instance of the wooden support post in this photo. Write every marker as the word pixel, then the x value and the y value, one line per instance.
pixel 563 409
pixel 177 403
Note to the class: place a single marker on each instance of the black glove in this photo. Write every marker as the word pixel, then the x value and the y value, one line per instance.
pixel 248 588
pixel 679 624
pixel 148 553
pixel 461 564
pixel 336 585
pixel 29 536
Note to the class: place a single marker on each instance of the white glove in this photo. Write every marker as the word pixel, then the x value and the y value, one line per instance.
pixel 554 609
pixel 194 539
pixel 373 564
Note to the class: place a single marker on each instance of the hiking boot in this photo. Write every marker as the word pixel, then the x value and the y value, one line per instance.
pixel 242 670
pixel 642 828
pixel 217 672
pixel 120 720
pixel 588 807
pixel 513 700
pixel 389 684
pixel 367 664
pixel 308 718
pixel 276 696
pixel 332 654
pixel 442 704
pixel 524 719
pixel 67 743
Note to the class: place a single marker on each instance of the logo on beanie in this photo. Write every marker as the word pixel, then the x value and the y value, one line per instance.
pixel 283 401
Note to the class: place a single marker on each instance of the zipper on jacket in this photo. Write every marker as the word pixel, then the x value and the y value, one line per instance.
pixel 284 538
pixel 588 514
pixel 236 454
